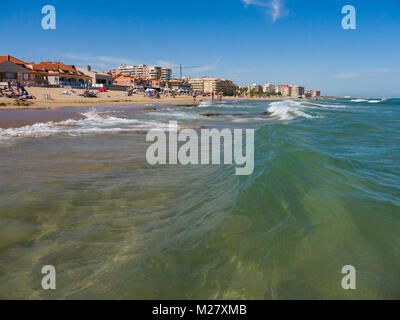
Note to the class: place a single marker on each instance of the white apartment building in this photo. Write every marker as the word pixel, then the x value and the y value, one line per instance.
pixel 144 71
pixel 269 88
pixel 213 84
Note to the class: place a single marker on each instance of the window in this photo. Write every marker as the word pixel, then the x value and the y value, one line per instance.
pixel 10 75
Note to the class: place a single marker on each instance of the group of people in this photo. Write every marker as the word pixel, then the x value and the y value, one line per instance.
pixel 219 97
pixel 19 93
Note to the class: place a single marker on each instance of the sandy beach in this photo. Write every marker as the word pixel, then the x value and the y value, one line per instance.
pixel 112 98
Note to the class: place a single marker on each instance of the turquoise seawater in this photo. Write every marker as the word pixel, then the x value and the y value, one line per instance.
pixel 325 193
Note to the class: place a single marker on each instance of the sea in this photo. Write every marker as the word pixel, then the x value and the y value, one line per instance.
pixel 77 193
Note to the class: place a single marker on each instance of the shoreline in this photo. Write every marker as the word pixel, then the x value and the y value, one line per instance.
pixel 109 99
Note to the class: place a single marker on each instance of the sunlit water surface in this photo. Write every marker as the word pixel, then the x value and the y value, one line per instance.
pixel 78 194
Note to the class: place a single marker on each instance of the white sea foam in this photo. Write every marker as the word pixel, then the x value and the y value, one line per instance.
pixel 316 105
pixel 205 104
pixel 364 100
pixel 175 115
pixel 288 110
pixel 93 123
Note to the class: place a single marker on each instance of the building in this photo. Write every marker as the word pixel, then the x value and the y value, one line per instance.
pixel 98 79
pixel 312 94
pixel 144 71
pixel 269 88
pixel 285 90
pixel 30 74
pixel 297 92
pixel 216 85
pixel 178 84
pixel 62 74
pixel 256 88
pixel 315 94
pixel 11 72
pixel 131 81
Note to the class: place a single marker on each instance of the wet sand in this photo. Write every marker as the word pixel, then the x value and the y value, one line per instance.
pixel 19 118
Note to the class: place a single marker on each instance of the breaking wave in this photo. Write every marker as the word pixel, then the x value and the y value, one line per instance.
pixel 92 123
pixel 288 110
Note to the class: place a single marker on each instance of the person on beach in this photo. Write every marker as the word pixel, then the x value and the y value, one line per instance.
pixel 25 95
pixel 194 97
pixel 212 97
pixel 19 88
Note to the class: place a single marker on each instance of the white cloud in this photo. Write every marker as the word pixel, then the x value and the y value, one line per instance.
pixel 167 64
pixel 380 70
pixel 348 75
pixel 276 10
pixel 207 67
pixel 367 72
pixel 100 61
pixel 191 70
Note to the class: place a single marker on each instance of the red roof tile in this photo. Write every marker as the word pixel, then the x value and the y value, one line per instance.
pixel 11 59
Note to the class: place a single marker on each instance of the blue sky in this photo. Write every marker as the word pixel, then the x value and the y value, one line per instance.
pixel 248 41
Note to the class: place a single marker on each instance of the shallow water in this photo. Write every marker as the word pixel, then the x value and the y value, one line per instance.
pixel 78 194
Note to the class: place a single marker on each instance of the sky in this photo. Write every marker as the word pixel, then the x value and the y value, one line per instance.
pixel 248 41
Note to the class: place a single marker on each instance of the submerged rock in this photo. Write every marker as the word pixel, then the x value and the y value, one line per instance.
pixel 212 114
pixel 149 109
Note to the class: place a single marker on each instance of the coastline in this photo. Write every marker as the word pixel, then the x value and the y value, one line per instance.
pixel 109 99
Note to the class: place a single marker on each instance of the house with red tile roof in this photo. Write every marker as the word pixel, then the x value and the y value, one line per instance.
pixel 11 59
pixel 61 74
pixel 12 69
pixel 47 72
pixel 130 80
pixel 11 72
pixel 28 75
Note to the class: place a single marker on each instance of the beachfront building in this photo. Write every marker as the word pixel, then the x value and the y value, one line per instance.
pixel 98 79
pixel 176 84
pixel 297 92
pixel 131 81
pixel 143 71
pixel 62 74
pixel 269 88
pixel 11 72
pixel 312 94
pixel 285 90
pixel 256 88
pixel 216 85
pixel 315 94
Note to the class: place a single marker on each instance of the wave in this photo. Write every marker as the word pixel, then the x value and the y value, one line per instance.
pixel 175 115
pixel 386 101
pixel 205 104
pixel 316 105
pixel 93 123
pixel 288 110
